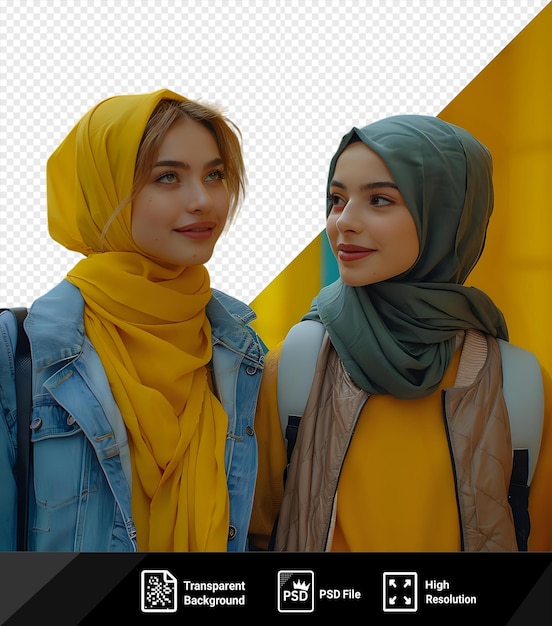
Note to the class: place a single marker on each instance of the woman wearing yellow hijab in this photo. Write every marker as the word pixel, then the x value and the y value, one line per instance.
pixel 145 378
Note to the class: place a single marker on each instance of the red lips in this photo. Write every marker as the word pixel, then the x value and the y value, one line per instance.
pixel 349 252
pixel 197 230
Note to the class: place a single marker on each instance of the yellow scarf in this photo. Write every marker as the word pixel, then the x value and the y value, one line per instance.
pixel 149 326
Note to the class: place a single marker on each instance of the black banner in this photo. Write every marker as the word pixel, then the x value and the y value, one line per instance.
pixel 410 588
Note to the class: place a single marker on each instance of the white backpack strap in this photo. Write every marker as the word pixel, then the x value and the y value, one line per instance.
pixel 524 394
pixel 522 387
pixel 296 368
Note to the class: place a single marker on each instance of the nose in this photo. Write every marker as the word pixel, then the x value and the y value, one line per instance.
pixel 198 198
pixel 349 218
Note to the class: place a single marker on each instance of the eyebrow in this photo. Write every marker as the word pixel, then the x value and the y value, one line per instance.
pixel 185 166
pixel 366 186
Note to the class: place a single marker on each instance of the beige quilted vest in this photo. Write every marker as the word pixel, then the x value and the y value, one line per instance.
pixel 479 434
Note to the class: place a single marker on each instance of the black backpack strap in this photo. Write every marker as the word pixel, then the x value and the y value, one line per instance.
pixel 24 404
pixel 518 497
pixel 291 436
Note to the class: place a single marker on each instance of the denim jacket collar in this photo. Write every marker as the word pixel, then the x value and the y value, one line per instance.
pixel 60 333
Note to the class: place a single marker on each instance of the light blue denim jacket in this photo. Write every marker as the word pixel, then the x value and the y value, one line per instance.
pixel 80 494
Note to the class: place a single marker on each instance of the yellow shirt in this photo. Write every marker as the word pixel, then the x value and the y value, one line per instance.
pixel 397 469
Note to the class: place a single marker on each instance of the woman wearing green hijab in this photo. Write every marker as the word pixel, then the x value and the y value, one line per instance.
pixel 418 451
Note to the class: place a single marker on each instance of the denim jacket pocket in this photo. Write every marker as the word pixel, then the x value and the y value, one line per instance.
pixel 62 457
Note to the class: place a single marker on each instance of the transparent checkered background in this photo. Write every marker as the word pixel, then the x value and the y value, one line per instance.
pixel 295 75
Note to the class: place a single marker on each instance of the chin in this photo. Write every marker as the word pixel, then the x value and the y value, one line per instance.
pixel 191 259
pixel 351 280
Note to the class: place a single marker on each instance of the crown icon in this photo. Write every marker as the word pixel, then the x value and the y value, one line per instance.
pixel 301 585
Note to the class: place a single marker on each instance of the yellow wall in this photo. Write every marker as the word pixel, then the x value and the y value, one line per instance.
pixel 508 106
pixel 289 295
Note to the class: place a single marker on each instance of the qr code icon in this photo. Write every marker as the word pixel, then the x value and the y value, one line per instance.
pixel 158 591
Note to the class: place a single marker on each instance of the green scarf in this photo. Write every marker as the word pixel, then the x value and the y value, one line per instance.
pixel 397 336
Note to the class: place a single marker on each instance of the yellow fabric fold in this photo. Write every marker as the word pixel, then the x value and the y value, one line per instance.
pixel 148 324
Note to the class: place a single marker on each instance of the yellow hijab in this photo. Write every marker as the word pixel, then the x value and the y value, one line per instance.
pixel 149 326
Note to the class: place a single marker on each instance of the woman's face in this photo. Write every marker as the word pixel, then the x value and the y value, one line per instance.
pixel 371 231
pixel 181 212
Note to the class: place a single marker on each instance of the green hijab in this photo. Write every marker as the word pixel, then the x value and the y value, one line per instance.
pixel 397 336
